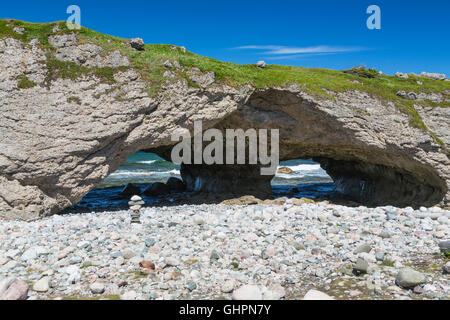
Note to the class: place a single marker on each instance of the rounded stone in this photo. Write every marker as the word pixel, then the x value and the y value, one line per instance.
pixel 97 288
pixel 247 292
pixel 42 285
pixel 316 295
pixel 136 198
pixel 409 278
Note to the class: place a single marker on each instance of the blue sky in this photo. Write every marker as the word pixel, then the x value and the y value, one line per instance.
pixel 414 35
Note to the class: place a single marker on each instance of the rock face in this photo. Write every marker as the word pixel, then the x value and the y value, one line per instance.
pixel 62 136
pixel 13 289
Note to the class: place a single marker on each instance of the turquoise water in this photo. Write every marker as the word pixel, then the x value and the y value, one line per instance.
pixel 142 168
pixel 147 168
pixel 307 180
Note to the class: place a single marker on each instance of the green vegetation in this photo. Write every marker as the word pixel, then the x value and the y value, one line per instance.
pixel 363 72
pixel 191 262
pixel 25 83
pixel 58 69
pixel 317 82
pixel 136 274
pixel 235 266
pixel 74 99
pixel 87 264
pixel 387 263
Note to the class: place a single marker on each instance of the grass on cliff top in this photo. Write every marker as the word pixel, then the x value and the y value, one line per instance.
pixel 312 80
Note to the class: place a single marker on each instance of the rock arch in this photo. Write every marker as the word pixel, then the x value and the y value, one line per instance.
pixel 362 164
pixel 59 139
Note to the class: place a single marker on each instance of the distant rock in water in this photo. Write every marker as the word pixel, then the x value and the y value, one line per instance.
pixel 285 170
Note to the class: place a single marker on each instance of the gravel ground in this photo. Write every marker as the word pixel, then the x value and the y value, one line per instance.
pixel 210 251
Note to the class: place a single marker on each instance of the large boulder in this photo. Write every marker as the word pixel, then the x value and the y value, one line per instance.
pixel 409 278
pixel 13 289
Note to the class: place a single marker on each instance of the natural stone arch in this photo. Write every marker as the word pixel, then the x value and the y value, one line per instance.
pixel 61 136
pixel 364 168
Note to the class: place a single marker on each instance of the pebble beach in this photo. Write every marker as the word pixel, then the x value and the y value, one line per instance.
pixel 271 252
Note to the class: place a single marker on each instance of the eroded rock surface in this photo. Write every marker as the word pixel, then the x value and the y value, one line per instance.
pixel 62 136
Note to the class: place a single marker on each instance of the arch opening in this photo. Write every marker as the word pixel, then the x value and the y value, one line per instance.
pixel 358 167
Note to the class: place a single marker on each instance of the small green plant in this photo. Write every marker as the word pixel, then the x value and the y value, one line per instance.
pixel 363 72
pixel 388 263
pixel 86 265
pixel 74 99
pixel 138 275
pixel 25 83
pixel 235 266
pixel 190 262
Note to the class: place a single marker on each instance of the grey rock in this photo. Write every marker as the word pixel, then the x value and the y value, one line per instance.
pixel 150 242
pixel 380 256
pixel 363 248
pixel 136 198
pixel 202 79
pixel 444 246
pixel 116 254
pixel 385 234
pixel 42 285
pixel 168 64
pixel 247 292
pixel 19 30
pixel 435 76
pixel 390 215
pixel 446 268
pixel 75 260
pixel 409 278
pixel 261 64
pixel 128 254
pixel 316 295
pixel 137 43
pixel 215 255
pixel 401 75
pixel 13 289
pixel 409 95
pixel 34 253
pixel 360 266
pixel 228 286
pixel 172 261
pixel 192 286
pixel 97 288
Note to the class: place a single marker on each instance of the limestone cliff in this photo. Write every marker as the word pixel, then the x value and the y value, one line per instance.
pixel 74 106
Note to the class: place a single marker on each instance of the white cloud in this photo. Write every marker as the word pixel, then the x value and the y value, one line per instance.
pixel 285 52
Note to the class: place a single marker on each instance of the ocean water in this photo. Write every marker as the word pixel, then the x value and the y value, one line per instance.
pixel 146 168
pixel 307 180
pixel 142 168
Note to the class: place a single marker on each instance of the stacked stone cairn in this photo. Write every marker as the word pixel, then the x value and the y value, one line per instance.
pixel 136 204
